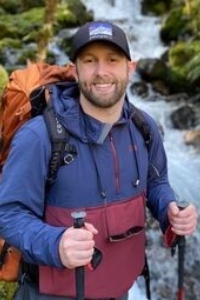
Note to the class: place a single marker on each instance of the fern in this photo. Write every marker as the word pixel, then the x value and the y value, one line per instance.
pixel 193 68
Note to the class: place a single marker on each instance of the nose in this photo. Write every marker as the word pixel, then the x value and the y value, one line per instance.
pixel 101 67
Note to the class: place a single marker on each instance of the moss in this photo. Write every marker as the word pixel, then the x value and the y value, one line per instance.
pixel 174 26
pixel 183 65
pixel 157 7
pixel 64 17
pixel 72 13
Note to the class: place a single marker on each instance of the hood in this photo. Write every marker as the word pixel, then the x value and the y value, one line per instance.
pixel 65 100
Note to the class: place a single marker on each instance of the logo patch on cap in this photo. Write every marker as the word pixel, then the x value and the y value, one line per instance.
pixel 100 30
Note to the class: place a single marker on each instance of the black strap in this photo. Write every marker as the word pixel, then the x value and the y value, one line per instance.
pixel 142 125
pixel 59 138
pixel 146 274
pixel 144 128
pixel 3 253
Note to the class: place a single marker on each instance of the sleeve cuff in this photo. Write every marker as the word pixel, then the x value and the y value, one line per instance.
pixel 169 237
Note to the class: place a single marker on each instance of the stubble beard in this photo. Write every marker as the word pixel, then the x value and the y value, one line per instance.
pixel 100 100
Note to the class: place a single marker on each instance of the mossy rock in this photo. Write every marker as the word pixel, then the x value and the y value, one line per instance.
pixel 183 52
pixel 174 26
pixel 180 57
pixel 71 13
pixel 157 7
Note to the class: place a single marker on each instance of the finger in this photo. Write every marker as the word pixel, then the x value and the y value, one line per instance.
pixel 80 258
pixel 173 209
pixel 184 229
pixel 91 228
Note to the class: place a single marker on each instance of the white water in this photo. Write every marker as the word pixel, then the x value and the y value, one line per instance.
pixel 184 163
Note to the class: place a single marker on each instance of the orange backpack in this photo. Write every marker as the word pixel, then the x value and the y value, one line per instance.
pixel 16 107
pixel 20 102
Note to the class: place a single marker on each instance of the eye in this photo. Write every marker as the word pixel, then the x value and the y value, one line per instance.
pixel 114 59
pixel 88 59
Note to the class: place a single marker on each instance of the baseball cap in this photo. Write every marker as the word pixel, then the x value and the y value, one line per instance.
pixel 99 31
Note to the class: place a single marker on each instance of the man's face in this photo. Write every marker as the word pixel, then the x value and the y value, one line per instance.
pixel 103 74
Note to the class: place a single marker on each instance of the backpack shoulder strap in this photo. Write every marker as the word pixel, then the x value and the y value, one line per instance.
pixel 59 138
pixel 142 125
pixel 144 128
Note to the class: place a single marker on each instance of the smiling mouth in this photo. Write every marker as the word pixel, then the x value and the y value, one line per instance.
pixel 103 86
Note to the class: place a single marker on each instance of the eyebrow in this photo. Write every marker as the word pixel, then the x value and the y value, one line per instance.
pixel 110 53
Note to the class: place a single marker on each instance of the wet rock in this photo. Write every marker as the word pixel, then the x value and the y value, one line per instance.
pixel 139 88
pixel 184 117
pixel 180 97
pixel 152 69
pixel 159 87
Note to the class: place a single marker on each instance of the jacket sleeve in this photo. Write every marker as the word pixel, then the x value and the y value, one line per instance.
pixel 22 195
pixel 159 190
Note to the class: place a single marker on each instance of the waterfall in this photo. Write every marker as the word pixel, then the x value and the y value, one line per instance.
pixel 183 161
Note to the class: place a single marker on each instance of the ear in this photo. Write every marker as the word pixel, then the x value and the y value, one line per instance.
pixel 132 67
pixel 73 71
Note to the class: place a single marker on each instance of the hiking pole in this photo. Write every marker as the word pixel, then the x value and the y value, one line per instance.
pixel 181 259
pixel 180 242
pixel 78 218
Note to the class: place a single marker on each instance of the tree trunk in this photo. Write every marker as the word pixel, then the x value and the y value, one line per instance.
pixel 46 32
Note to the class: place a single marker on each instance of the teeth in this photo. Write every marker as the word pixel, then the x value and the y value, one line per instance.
pixel 104 84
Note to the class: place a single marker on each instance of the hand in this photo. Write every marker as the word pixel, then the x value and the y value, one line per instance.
pixel 76 246
pixel 183 222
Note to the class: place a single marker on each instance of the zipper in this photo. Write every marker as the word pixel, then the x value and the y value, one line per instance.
pixel 116 164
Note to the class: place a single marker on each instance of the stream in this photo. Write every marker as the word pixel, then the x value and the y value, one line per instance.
pixel 183 161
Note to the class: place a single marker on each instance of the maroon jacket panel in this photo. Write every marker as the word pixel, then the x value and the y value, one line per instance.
pixel 122 259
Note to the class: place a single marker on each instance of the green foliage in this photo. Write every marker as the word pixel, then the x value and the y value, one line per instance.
pixel 7 290
pixel 28 4
pixel 3 79
pixel 193 65
pixel 64 16
pixel 9 6
pixel 22 24
pixel 175 25
pixel 184 62
pixel 16 7
pixel 71 13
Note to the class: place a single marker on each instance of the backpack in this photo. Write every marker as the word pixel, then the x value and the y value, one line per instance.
pixel 24 98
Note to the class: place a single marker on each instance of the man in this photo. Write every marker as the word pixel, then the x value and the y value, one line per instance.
pixel 111 177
